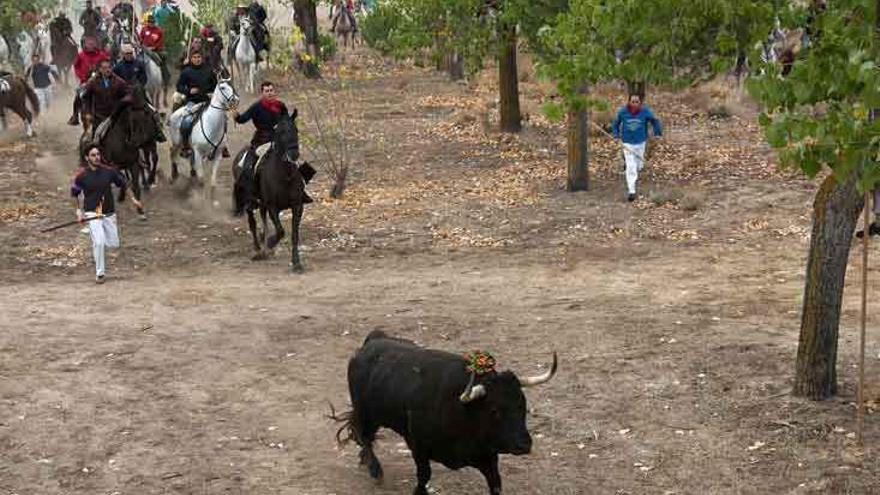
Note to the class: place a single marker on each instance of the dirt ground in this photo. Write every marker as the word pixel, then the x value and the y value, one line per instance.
pixel 195 370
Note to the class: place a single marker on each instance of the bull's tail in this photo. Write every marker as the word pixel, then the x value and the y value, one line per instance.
pixel 347 431
pixel 32 97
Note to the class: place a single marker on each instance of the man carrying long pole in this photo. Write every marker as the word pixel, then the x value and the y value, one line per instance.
pixel 94 183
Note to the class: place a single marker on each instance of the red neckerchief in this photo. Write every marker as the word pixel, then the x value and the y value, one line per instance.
pixel 273 106
pixel 633 109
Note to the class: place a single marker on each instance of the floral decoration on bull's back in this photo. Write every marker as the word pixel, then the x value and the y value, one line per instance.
pixel 480 362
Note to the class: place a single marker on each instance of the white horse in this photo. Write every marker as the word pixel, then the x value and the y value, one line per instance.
pixel 155 86
pixel 208 134
pixel 245 55
pixel 26 46
pixel 4 52
pixel 44 43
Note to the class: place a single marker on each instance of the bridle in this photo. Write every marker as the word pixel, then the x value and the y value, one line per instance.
pixel 226 100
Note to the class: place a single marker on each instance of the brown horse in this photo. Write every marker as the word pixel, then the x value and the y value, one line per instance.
pixel 14 95
pixel 63 47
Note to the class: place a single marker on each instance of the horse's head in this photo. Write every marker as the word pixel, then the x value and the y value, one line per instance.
pixel 225 93
pixel 286 138
pixel 246 25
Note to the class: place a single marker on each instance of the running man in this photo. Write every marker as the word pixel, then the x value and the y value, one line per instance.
pixel 631 127
pixel 94 183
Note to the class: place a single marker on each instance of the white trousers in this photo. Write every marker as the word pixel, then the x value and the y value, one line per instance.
pixel 44 95
pixel 104 234
pixel 634 155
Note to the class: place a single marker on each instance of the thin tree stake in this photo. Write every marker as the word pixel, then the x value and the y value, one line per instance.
pixel 860 410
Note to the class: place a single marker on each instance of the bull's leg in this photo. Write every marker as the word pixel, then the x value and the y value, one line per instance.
pixel 423 473
pixel 296 265
pixel 490 472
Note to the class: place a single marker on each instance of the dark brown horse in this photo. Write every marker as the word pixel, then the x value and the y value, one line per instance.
pixel 63 47
pixel 277 185
pixel 128 140
pixel 14 95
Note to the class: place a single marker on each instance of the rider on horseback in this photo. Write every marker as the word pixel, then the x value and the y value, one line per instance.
pixel 133 71
pixel 62 25
pixel 86 62
pixel 153 38
pixel 195 85
pixel 102 95
pixel 91 22
pixel 346 8
pixel 257 15
pixel 265 114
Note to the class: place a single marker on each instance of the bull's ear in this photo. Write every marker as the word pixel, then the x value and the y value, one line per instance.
pixel 294 115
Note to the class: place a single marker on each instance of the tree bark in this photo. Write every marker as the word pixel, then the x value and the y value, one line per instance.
pixel 456 67
pixel 835 213
pixel 636 88
pixel 307 21
pixel 578 150
pixel 508 80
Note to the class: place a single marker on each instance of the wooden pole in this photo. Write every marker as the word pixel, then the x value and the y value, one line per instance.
pixel 860 410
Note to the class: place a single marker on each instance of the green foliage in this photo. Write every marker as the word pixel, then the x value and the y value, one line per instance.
pixel 10 13
pixel 379 27
pixel 649 41
pixel 818 116
pixel 175 28
pixel 326 46
pixel 213 11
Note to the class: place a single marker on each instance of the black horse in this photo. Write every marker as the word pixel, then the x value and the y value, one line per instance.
pixel 128 141
pixel 274 185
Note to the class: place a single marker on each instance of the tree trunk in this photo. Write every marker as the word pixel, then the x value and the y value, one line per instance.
pixel 307 21
pixel 508 80
pixel 636 88
pixel 578 150
pixel 835 213
pixel 456 67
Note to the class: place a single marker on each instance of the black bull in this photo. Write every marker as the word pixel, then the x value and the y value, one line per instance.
pixel 444 413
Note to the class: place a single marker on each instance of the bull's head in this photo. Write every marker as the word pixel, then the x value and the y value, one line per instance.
pixel 499 406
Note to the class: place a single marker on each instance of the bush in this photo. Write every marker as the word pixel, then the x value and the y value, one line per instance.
pixel 326 46
pixel 377 27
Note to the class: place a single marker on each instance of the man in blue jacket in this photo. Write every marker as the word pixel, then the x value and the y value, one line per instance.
pixel 631 127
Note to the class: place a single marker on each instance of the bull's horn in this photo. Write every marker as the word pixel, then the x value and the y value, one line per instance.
pixel 472 392
pixel 531 381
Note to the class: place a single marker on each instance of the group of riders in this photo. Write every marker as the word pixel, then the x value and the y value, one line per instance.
pixel 114 51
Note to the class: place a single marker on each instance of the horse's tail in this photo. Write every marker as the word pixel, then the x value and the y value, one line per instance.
pixel 32 97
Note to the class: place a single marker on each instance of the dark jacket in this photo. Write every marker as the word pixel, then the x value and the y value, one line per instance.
pixel 102 95
pixel 264 120
pixel 132 71
pixel 95 186
pixel 201 77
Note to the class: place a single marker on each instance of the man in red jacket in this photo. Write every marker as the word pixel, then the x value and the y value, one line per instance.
pixel 153 37
pixel 84 66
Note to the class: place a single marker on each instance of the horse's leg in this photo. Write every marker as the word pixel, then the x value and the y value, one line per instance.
pixel 175 151
pixel 26 115
pixel 263 233
pixel 252 225
pixel 275 238
pixel 196 164
pixel 296 265
pixel 135 182
pixel 215 165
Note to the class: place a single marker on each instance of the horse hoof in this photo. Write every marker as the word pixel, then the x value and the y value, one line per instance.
pixel 259 256
pixel 297 268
